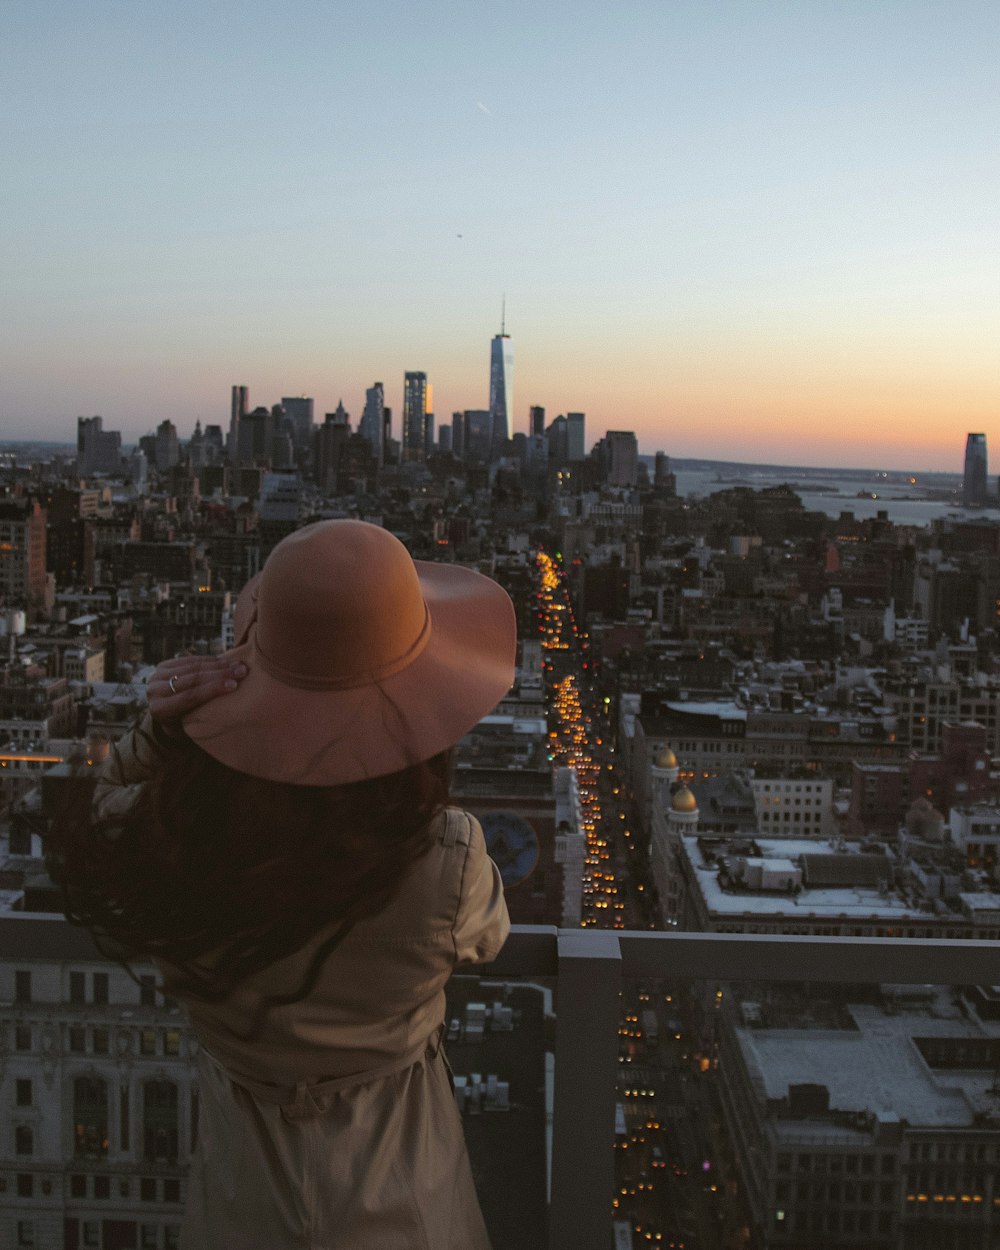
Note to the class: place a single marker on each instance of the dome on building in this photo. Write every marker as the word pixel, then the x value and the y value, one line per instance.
pixel 684 801
pixel 665 759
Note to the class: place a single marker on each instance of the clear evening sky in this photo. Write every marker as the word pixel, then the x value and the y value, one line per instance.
pixel 755 230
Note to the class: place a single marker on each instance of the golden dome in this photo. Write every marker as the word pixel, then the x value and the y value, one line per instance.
pixel 666 759
pixel 684 801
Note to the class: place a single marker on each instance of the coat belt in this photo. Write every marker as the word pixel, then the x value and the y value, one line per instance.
pixel 305 1098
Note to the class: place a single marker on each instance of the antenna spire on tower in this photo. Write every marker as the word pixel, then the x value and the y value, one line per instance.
pixel 503 315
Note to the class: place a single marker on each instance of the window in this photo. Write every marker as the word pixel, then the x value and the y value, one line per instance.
pixel 92 1234
pixel 171 1191
pixel 22 987
pixel 77 1038
pixel 90 1117
pixel 147 1189
pixel 100 987
pixel 23 1087
pixel 160 1124
pixel 77 1186
pixel 171 1237
pixel 147 1042
pixel 99 1040
pixel 22 1037
pixel 77 987
pixel 150 1237
pixel 24 1140
pixel 147 990
pixel 102 1186
pixel 25 1185
pixel 172 1042
pixel 123 1117
pixel 25 1234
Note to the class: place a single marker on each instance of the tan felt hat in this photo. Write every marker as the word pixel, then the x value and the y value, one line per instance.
pixel 361 660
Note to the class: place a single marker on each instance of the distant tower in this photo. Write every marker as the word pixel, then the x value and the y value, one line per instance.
pixel 477 434
pixel 620 458
pixel 98 450
pixel 388 451
pixel 536 420
pixel 501 388
pixel 373 419
pixel 974 481
pixel 299 411
pixel 458 434
pixel 576 439
pixel 167 446
pixel 416 405
pixel 238 410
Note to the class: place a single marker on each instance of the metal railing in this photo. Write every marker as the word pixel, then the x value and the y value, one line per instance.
pixel 588 966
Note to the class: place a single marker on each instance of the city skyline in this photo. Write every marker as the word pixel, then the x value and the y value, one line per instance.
pixel 295 408
pixel 749 231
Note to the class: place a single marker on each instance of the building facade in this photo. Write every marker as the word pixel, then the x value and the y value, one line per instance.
pixel 372 422
pixel 974 479
pixel 501 392
pixel 416 406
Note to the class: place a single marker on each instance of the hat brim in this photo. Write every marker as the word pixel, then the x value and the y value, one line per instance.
pixel 331 737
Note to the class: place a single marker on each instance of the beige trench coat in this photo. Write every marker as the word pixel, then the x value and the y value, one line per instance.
pixel 336 1127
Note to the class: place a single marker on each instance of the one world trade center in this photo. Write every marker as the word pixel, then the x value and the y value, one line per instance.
pixel 501 391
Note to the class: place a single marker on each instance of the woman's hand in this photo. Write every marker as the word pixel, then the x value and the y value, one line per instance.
pixel 181 685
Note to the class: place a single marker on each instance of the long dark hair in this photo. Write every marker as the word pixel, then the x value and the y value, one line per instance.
pixel 219 874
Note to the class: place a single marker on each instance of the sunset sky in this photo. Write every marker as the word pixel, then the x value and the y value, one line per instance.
pixel 754 230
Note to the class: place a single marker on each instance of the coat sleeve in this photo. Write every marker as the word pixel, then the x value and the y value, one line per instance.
pixel 482 922
pixel 131 761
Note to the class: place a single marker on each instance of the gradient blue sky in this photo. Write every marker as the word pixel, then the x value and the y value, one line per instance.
pixel 763 231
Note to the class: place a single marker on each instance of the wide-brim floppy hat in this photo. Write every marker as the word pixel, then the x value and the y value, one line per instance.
pixel 362 661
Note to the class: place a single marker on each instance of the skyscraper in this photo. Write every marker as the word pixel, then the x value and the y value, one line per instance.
pixel 576 440
pixel 98 450
pixel 299 411
pixel 974 480
pixel 619 458
pixel 477 430
pixel 167 446
pixel 390 448
pixel 458 434
pixel 501 390
pixel 238 410
pixel 557 439
pixel 373 419
pixel 536 420
pixel 416 405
